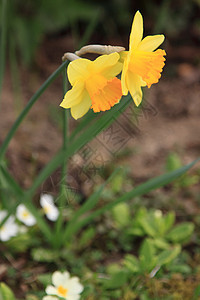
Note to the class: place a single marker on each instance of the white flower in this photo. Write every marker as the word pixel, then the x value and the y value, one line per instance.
pixel 9 228
pixel 50 210
pixel 64 286
pixel 23 214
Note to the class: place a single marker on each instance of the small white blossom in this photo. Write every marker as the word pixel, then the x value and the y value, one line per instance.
pixel 23 214
pixel 50 210
pixel 158 213
pixel 9 228
pixel 64 286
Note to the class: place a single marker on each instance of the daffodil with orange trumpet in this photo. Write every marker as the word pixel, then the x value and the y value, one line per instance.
pixel 94 84
pixel 142 66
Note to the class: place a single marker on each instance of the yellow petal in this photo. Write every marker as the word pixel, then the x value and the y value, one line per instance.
pixel 78 69
pixel 123 78
pixel 151 42
pixel 82 108
pixel 136 31
pixel 73 96
pixel 134 86
pixel 105 62
pixel 113 71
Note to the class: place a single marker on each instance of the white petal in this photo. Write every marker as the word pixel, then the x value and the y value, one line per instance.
pixel 53 215
pixel 74 286
pixel 19 210
pixel 59 278
pixel 51 290
pixel 13 229
pixel 46 199
pixel 29 219
pixel 3 214
pixel 4 236
pixel 9 229
pixel 73 297
pixel 49 298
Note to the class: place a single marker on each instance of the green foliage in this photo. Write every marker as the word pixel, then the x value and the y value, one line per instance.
pixel 150 260
pixel 173 162
pixel 5 292
pixel 117 280
pixel 160 228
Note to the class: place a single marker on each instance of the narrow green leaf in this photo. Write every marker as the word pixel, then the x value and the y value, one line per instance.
pixel 10 181
pixel 63 188
pixel 5 292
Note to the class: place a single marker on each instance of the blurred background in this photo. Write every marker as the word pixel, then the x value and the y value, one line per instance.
pixel 160 136
pixel 39 32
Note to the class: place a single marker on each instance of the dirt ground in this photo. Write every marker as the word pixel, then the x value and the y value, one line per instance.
pixel 170 121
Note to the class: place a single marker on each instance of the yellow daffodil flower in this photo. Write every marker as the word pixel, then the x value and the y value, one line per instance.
pixel 142 65
pixel 94 84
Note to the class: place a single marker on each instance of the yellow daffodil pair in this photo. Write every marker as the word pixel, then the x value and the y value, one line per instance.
pixel 94 83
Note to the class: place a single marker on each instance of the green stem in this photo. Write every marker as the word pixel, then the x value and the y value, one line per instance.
pixel 33 99
pixel 62 194
pixel 3 42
